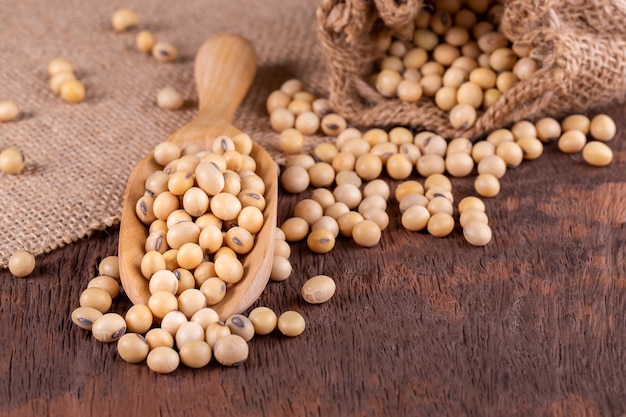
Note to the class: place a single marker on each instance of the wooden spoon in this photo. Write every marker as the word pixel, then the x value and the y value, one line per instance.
pixel 224 70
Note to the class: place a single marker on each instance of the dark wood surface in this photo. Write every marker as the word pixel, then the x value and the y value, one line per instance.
pixel 531 325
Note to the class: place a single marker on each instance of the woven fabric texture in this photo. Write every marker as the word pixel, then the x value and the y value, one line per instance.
pixel 78 156
pixel 580 45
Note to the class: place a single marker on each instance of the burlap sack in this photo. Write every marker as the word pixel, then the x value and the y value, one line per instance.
pixel 580 45
pixel 78 156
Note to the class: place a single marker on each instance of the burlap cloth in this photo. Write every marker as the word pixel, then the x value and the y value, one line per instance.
pixel 79 155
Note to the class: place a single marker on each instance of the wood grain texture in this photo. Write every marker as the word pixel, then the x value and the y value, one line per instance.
pixel 530 325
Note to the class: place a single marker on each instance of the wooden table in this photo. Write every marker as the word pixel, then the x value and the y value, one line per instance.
pixel 531 325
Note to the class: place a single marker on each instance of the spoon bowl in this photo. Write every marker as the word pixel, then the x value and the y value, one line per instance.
pixel 224 70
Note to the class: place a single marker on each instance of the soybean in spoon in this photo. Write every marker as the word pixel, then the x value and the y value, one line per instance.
pixel 225 67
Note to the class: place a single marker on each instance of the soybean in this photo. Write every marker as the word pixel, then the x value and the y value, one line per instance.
pixel 187 332
pixel 139 318
pixel 205 316
pixel 109 266
pixel 214 290
pixel 132 347
pixel 145 41
pixel 318 289
pixel 164 52
pixel 241 326
pixel 169 98
pixel 163 360
pixel 231 350
pixel 602 128
pixel 159 337
pixel 321 240
pixel 366 233
pixel 96 298
pixel 109 284
pixel 124 19
pixel 21 263
pixel 291 323
pixel 487 185
pixel 597 154
pixel 84 317
pixel 477 233
pixel 195 354
pixel 281 269
pixel 109 327
pixel 216 331
pixel 263 319
pixel 59 65
pixel 72 91
pixel 8 111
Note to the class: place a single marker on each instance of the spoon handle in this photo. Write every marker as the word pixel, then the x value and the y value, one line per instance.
pixel 224 70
